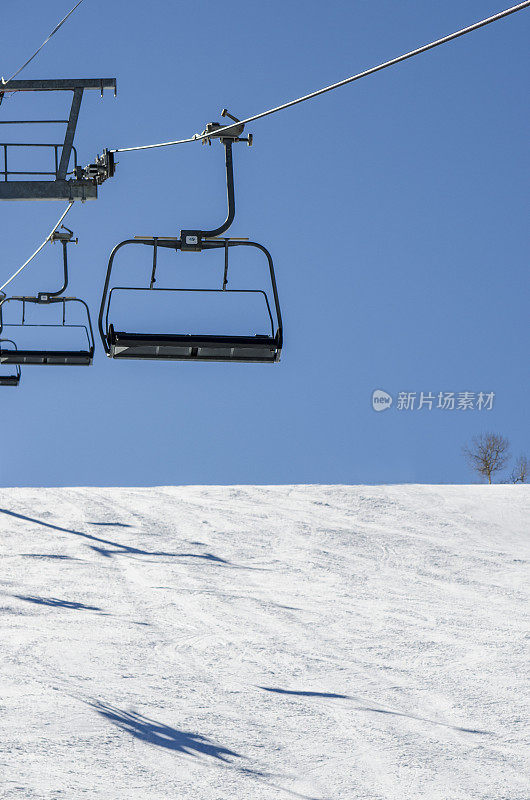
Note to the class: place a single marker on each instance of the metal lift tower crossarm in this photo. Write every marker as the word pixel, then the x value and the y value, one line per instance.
pixel 83 185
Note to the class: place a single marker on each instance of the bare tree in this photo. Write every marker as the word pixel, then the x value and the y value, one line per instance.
pixel 487 454
pixel 520 471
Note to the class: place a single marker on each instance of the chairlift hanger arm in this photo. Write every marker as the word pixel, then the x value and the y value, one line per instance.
pixel 65 239
pixel 192 239
pixel 229 193
pixel 65 272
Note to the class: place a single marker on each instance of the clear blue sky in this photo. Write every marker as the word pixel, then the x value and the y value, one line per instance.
pixel 394 209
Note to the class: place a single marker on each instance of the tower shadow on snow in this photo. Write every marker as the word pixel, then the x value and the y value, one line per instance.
pixel 179 741
pixel 121 549
pixel 156 733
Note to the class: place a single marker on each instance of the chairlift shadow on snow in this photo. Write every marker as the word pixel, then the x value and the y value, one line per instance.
pixel 333 696
pixel 124 549
pixel 112 524
pixel 48 555
pixel 422 719
pixel 56 603
pixel 295 693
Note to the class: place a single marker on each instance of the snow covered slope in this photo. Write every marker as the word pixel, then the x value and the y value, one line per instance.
pixel 209 643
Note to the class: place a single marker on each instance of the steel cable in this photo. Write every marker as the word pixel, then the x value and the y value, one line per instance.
pixel 37 251
pixel 196 137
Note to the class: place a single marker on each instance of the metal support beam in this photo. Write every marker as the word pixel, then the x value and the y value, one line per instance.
pixel 70 133
pixel 59 85
pixel 84 184
pixel 48 190
pixel 32 121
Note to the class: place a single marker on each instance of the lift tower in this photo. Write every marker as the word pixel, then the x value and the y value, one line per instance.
pixel 67 180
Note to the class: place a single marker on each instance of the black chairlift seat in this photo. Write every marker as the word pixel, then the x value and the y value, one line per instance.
pixel 9 380
pixel 14 378
pixel 52 357
pixel 261 349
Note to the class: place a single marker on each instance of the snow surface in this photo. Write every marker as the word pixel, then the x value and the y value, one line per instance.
pixel 263 642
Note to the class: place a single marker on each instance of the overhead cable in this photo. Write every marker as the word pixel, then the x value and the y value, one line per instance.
pixel 47 239
pixel 14 75
pixel 197 137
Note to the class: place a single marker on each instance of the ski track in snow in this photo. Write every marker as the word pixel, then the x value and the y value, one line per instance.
pixel 315 642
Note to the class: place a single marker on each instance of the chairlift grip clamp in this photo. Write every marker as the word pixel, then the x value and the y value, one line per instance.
pixel 65 238
pixel 191 241
pixel 229 134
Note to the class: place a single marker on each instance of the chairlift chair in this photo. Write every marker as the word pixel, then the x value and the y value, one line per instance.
pixel 47 355
pixel 13 379
pixel 262 348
